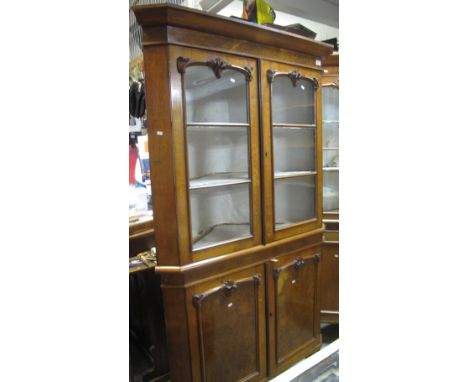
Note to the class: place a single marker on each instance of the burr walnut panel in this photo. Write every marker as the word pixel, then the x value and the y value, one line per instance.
pixel 293 305
pixel 228 328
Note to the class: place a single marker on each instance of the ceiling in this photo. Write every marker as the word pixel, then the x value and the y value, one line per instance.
pixel 321 11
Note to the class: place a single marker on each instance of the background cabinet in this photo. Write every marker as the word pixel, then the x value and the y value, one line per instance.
pixel 149 358
pixel 329 279
pixel 230 309
pixel 329 284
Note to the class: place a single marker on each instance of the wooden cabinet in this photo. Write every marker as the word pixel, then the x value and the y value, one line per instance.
pixel 329 285
pixel 235 144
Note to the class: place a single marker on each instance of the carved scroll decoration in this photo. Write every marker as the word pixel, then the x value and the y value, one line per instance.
pixel 294 76
pixel 217 65
pixel 228 287
pixel 297 263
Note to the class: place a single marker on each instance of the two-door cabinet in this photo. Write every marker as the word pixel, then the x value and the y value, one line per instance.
pixel 329 282
pixel 235 143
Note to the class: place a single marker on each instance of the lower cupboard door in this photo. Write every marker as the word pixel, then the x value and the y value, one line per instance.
pixel 294 310
pixel 329 283
pixel 230 326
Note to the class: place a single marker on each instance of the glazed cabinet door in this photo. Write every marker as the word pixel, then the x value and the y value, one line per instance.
pixel 293 309
pixel 215 111
pixel 227 320
pixel 291 112
pixel 330 123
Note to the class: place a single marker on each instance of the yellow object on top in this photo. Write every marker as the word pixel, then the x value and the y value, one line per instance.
pixel 265 13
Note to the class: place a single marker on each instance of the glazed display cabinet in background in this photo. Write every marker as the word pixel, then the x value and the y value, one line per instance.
pixel 235 139
pixel 329 283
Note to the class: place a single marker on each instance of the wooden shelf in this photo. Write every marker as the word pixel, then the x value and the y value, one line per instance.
pixel 207 128
pixel 294 125
pixel 213 125
pixel 219 180
pixel 292 174
pixel 222 233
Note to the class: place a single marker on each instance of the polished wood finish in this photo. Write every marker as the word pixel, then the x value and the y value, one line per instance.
pixel 228 314
pixel 293 308
pixel 178 335
pixel 181 284
pixel 331 237
pixel 231 311
pixel 162 161
pixel 191 38
pixel 333 60
pixel 330 76
pixel 190 273
pixel 329 283
pixel 156 15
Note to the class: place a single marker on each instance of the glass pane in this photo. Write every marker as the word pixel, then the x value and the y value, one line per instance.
pixel 331 158
pixel 330 98
pixel 292 104
pixel 294 200
pixel 219 214
pixel 294 149
pixel 330 152
pixel 330 135
pixel 330 191
pixel 217 152
pixel 211 99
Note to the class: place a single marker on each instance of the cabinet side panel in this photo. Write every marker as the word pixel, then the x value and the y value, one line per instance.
pixel 177 334
pixel 160 142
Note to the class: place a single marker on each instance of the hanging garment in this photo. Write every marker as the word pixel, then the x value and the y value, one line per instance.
pixel 137 102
